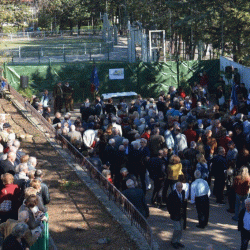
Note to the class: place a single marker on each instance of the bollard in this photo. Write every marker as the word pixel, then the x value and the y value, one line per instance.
pixel 39 57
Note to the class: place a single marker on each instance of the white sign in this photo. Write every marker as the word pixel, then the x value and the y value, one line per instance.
pixel 116 74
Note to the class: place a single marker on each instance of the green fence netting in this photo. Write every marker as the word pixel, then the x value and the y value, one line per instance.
pixel 146 79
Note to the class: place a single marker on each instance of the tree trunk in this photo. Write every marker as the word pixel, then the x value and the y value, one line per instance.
pixel 79 27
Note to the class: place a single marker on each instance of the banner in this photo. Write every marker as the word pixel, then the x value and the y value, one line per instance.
pixel 116 74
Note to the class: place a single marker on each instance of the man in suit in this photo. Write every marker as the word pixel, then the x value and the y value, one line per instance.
pixel 136 197
pixel 244 225
pixel 58 97
pixel 157 174
pixel 68 92
pixel 8 166
pixel 218 168
pixel 177 209
pixel 217 130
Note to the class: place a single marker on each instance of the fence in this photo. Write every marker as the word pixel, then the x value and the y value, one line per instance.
pixel 50 34
pixel 113 193
pixel 47 128
pixel 60 52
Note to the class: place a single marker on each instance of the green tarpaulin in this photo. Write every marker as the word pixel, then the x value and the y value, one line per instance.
pixel 146 79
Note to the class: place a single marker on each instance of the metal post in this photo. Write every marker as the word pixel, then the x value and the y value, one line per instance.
pixel 19 51
pixel 170 31
pixel 164 46
pixel 108 52
pixel 90 55
pixel 150 46
pixel 178 71
pixel 39 57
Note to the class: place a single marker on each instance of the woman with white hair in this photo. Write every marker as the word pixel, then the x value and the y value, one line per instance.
pixel 241 187
pixel 16 239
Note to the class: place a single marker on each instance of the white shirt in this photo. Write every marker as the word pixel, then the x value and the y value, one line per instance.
pixel 199 188
pixel 246 221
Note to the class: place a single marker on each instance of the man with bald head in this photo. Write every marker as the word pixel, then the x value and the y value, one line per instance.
pixel 177 209
pixel 8 165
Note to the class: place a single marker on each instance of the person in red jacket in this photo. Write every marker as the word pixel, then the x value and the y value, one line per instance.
pixel 9 202
pixel 190 134
pixel 146 134
pixel 224 140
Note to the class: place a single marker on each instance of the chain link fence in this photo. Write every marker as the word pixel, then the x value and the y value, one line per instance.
pixel 60 52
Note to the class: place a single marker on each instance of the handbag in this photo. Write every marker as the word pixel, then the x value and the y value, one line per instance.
pixel 5 206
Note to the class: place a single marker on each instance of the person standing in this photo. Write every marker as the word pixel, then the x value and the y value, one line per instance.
pixel 218 170
pixel 136 197
pixel 244 225
pixel 241 187
pixel 58 97
pixel 157 173
pixel 68 92
pixel 45 99
pixel 199 195
pixel 177 209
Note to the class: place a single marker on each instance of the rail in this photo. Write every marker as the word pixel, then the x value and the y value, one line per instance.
pixel 136 218
pixel 47 127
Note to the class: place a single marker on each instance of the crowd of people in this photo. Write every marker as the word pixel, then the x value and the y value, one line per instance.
pixel 23 195
pixel 183 144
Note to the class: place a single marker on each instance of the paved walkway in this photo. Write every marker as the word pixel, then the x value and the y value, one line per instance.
pixel 221 231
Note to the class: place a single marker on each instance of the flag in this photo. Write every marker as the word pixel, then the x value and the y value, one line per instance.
pixel 234 100
pixel 95 79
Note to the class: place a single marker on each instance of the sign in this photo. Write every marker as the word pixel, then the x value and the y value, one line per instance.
pixel 116 74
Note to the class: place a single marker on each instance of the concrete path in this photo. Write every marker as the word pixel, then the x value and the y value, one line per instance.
pixel 221 231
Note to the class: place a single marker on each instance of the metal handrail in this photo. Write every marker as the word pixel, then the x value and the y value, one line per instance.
pixel 136 218
pixel 47 127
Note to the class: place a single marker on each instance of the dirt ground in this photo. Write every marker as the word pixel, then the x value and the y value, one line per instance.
pixel 77 220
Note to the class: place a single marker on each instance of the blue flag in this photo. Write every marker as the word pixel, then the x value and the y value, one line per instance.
pixel 234 100
pixel 94 78
pixel 234 95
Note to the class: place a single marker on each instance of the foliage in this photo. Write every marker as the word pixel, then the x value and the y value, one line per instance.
pixel 28 92
pixel 15 14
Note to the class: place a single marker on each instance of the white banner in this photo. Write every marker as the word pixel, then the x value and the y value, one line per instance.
pixel 116 74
